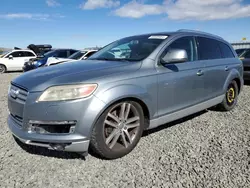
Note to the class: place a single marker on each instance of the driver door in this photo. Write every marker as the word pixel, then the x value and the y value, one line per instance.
pixel 180 85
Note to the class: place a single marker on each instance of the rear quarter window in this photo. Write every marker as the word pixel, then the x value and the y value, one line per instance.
pixel 226 51
pixel 208 49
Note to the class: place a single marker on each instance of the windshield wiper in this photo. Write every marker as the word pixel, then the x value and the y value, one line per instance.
pixel 107 59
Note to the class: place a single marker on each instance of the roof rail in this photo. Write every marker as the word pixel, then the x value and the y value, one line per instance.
pixel 199 32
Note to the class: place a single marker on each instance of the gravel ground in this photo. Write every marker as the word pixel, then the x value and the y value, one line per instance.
pixel 209 149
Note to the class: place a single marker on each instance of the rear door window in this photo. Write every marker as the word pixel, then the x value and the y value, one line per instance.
pixel 226 51
pixel 28 54
pixel 208 49
pixel 17 54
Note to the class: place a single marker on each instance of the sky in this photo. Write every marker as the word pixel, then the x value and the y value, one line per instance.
pixel 89 23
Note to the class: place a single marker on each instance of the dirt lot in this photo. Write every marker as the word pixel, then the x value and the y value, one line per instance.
pixel 209 149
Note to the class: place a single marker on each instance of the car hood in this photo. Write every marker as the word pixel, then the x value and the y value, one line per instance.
pixel 53 60
pixel 72 73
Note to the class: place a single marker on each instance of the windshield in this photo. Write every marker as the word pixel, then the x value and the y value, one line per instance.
pixel 50 53
pixel 2 53
pixel 131 48
pixel 77 55
pixel 245 54
pixel 239 51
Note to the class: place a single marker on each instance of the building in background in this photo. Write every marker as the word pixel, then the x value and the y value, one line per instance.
pixel 241 44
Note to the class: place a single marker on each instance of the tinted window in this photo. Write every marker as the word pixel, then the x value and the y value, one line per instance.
pixel 239 51
pixel 247 54
pixel 89 54
pixel 208 49
pixel 72 52
pixel 28 54
pixel 226 51
pixel 185 43
pixel 17 54
pixel 62 53
pixel 77 55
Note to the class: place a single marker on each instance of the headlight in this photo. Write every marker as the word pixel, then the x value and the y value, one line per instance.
pixel 67 92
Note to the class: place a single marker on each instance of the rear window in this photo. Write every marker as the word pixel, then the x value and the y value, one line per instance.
pixel 208 49
pixel 226 51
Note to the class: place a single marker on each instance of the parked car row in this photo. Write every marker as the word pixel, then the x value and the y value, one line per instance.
pixel 79 55
pixel 39 56
pixel 40 62
pixel 105 102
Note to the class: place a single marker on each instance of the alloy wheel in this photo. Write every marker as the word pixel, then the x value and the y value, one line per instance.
pixel 2 69
pixel 121 126
pixel 230 95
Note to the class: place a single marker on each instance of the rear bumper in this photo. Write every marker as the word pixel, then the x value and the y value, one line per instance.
pixel 69 142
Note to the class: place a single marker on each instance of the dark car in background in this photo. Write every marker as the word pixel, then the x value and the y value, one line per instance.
pixel 40 49
pixel 240 51
pixel 245 58
pixel 62 53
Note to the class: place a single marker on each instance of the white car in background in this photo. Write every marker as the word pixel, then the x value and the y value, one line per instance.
pixel 80 55
pixel 14 60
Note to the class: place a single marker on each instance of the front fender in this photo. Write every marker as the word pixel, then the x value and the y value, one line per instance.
pixel 119 92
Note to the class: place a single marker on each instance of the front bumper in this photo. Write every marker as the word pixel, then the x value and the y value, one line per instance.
pixel 70 143
pixel 83 112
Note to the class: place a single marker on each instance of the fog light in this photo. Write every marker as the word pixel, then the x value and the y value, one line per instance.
pixel 72 129
pixel 51 127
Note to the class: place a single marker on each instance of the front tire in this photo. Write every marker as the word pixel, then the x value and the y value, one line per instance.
pixel 2 69
pixel 231 97
pixel 118 130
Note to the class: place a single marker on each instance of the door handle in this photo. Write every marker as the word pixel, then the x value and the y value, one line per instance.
pixel 226 68
pixel 200 72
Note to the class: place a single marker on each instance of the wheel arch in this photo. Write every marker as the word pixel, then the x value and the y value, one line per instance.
pixel 233 75
pixel 4 66
pixel 237 80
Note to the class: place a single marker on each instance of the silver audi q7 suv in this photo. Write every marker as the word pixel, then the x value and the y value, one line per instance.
pixel 106 102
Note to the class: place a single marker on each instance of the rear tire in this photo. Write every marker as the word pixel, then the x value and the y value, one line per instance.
pixel 2 69
pixel 231 97
pixel 118 130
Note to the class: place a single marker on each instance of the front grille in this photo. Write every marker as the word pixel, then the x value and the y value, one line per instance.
pixel 19 94
pixel 17 119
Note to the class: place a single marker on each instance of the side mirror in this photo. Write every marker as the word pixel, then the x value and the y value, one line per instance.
pixel 10 57
pixel 175 56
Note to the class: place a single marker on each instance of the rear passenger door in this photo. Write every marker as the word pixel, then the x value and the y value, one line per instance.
pixel 218 59
pixel 180 85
